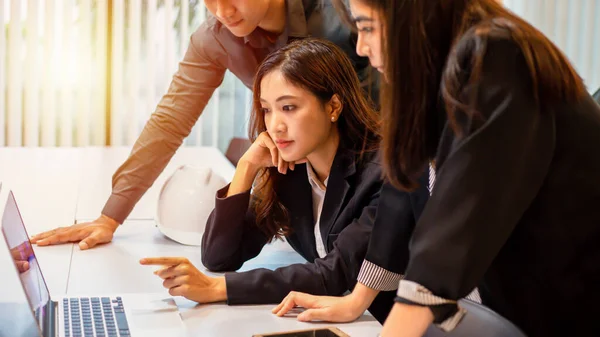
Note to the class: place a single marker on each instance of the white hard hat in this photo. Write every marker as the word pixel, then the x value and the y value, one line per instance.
pixel 186 200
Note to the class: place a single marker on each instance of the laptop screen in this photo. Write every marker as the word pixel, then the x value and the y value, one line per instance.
pixel 25 261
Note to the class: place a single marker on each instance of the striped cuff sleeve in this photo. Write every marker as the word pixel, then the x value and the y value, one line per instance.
pixel 378 278
pixel 474 296
pixel 416 293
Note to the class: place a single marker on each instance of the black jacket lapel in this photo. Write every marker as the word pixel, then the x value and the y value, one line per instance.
pixel 338 186
pixel 297 195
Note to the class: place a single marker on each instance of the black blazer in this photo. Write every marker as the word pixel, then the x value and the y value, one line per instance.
pixel 349 208
pixel 397 215
pixel 516 205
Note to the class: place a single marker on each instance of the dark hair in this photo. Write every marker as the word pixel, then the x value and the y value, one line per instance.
pixel 342 8
pixel 323 69
pixel 422 77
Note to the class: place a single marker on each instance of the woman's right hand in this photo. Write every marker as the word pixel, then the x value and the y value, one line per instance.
pixel 88 234
pixel 329 308
pixel 264 153
pixel 261 154
pixel 321 308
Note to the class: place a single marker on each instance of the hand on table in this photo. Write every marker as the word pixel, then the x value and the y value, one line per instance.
pixel 183 279
pixel 322 308
pixel 88 234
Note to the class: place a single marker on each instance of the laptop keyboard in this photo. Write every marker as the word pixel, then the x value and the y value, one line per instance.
pixel 95 317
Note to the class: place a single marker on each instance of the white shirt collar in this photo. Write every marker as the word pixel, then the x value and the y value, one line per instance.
pixel 314 180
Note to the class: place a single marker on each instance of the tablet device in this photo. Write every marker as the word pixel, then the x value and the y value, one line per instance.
pixel 320 332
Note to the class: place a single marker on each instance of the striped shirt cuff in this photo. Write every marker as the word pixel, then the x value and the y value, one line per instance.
pixel 378 278
pixel 474 296
pixel 418 294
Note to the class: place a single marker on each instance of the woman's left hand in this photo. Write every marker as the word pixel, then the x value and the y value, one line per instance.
pixel 183 279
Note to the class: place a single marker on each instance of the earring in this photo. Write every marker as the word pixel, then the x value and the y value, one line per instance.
pixel 332 119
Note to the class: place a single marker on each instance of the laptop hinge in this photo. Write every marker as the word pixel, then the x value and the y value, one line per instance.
pixel 51 319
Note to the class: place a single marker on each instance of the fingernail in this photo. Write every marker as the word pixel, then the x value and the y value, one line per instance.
pixel 83 245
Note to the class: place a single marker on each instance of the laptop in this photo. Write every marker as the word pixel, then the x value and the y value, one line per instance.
pixel 27 309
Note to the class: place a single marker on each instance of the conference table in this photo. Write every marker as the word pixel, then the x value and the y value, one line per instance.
pixel 61 186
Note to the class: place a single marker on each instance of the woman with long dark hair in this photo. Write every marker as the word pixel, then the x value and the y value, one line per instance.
pixel 311 176
pixel 512 137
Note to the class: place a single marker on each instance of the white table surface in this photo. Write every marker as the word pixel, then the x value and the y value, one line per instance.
pixel 221 320
pixel 136 239
pixel 114 268
pixel 53 187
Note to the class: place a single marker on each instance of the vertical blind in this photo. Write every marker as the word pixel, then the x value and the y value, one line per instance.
pixel 58 56
pixel 573 25
pixel 90 72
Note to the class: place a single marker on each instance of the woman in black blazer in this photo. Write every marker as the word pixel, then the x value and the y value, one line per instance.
pixel 317 180
pixel 513 137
